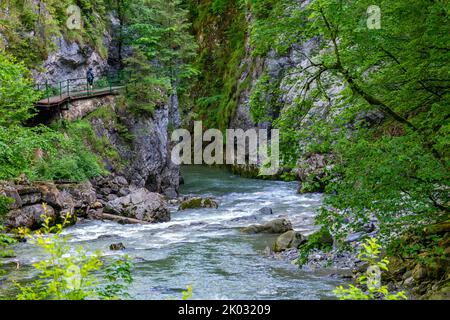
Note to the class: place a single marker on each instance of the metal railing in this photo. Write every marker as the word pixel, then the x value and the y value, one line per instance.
pixel 54 92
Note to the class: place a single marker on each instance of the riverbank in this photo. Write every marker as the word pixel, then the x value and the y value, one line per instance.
pixel 205 247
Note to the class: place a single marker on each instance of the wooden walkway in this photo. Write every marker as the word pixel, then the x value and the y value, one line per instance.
pixel 63 99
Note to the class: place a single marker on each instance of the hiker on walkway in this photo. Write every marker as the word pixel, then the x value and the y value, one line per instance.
pixel 90 78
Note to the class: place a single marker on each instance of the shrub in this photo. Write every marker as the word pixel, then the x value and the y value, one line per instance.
pixel 68 276
pixel 16 92
pixel 321 240
pixel 371 280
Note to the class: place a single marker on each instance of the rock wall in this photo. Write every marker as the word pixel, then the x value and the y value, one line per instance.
pixel 286 78
pixel 64 203
pixel 145 149
pixel 33 202
pixel 72 59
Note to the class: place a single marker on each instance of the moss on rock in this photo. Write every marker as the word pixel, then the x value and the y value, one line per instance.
pixel 198 203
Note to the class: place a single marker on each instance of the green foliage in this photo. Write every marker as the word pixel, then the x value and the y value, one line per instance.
pixel 421 246
pixel 16 93
pixel 158 30
pixel 68 275
pixel 5 241
pixel 19 146
pixel 145 92
pixel 220 28
pixel 119 277
pixel 397 171
pixel 371 280
pixel 320 240
pixel 188 294
pixel 63 276
pixel 264 99
pixel 29 28
pixel 43 153
pixel 5 202
pixel 276 25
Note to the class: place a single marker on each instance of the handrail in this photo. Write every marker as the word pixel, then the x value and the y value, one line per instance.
pixel 79 87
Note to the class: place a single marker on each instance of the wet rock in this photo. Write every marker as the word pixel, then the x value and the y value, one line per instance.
pixel 84 195
pixel 171 193
pixel 278 226
pixel 419 272
pixel 11 192
pixel 355 237
pixel 141 205
pixel 266 211
pixel 111 197
pixel 252 218
pixel 117 247
pixel 288 240
pixel 31 217
pixel 97 205
pixel 121 181
pixel 198 203
pixel 438 229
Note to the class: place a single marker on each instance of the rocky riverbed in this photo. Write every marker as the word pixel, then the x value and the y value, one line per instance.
pixel 205 246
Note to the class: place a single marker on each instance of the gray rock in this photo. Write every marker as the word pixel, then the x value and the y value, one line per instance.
pixel 266 211
pixel 288 240
pixel 117 247
pixel 148 153
pixel 198 203
pixel 31 217
pixel 124 192
pixel 11 192
pixel 111 197
pixel 69 61
pixel 121 181
pixel 355 237
pixel 141 205
pixel 83 194
pixel 278 226
pixel 171 193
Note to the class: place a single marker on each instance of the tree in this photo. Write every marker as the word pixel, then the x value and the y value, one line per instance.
pixel 397 171
pixel 17 95
pixel 160 31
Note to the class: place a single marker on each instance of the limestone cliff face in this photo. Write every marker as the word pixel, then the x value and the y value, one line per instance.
pixel 70 61
pixel 144 147
pixel 284 77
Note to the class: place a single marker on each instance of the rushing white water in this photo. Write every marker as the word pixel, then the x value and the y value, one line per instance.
pixel 204 248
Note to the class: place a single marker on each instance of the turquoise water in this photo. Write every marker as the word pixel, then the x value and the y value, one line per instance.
pixel 204 248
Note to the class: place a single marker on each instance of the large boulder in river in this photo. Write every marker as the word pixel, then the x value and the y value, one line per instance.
pixel 30 217
pixel 288 240
pixel 198 203
pixel 141 205
pixel 277 226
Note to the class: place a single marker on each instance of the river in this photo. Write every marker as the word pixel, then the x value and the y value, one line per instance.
pixel 204 248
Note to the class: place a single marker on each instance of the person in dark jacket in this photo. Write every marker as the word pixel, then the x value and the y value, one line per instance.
pixel 90 78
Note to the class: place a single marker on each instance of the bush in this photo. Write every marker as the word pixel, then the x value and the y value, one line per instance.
pixel 371 280
pixel 17 95
pixel 68 276
pixel 47 154
pixel 321 240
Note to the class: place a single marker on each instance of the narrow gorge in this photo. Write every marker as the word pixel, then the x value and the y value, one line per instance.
pixel 93 92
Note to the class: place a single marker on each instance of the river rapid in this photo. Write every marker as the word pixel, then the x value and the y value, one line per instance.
pixel 204 248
